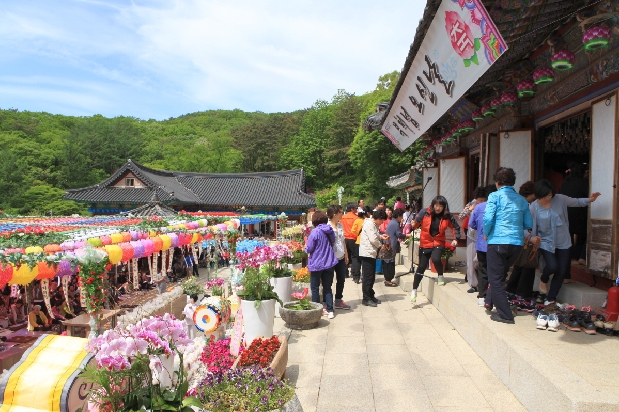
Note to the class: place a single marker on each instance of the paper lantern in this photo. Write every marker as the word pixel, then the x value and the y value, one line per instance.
pixel 52 248
pixel 143 235
pixel 194 238
pixel 6 273
pixel 34 249
pixel 157 244
pixel 149 247
pixel 135 235
pixel 509 99
pixel 202 222
pixel 455 132
pixel 468 126
pixel 495 103
pixel 126 236
pixel 105 240
pixel 67 245
pixel 23 275
pixel 478 115
pixel 64 268
pixel 487 110
pixel 116 238
pixel 95 241
pixel 543 75
pixel 127 251
pixel 562 60
pixel 596 38
pixel 14 250
pixel 167 242
pixel 200 237
pixel 115 253
pixel 138 249
pixel 46 270
pixel 526 88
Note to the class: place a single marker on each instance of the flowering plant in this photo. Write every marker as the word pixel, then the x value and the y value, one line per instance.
pixel 261 351
pixel 304 303
pixel 243 390
pixel 216 355
pixel 191 286
pixel 129 370
pixel 255 286
pixel 302 275
pixel 93 263
pixel 262 255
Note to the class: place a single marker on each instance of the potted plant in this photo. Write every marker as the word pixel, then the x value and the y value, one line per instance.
pixel 281 280
pixel 301 281
pixel 301 314
pixel 267 353
pixel 258 303
pixel 191 286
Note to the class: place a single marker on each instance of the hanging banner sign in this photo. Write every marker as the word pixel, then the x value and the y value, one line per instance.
pixel 46 299
pixel 460 45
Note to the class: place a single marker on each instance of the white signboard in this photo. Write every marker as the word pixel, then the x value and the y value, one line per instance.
pixel 461 43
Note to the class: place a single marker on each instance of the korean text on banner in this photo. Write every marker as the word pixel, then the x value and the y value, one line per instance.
pixel 461 43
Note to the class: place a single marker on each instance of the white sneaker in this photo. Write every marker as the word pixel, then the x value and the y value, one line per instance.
pixel 542 321
pixel 553 323
pixel 481 302
pixel 331 315
pixel 440 281
pixel 414 295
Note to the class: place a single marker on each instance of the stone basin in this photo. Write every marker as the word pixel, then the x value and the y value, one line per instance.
pixel 301 319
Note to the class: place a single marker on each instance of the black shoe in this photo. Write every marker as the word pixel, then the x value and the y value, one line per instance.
pixel 497 318
pixel 368 303
pixel 356 280
pixel 471 290
pixel 377 301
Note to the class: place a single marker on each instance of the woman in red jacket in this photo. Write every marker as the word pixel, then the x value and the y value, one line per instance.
pixel 434 222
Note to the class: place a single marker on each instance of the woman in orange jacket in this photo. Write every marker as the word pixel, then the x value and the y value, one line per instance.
pixel 434 222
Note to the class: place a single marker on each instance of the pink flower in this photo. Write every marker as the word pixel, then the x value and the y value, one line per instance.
pixel 299 295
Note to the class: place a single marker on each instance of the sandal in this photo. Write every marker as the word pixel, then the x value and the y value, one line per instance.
pixel 390 284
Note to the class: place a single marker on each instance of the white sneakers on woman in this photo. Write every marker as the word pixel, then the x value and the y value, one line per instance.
pixel 414 295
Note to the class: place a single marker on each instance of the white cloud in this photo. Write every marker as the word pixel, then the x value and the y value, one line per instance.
pixel 162 59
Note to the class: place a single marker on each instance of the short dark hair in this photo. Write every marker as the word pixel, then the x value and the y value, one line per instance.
pixel 194 297
pixel 359 201
pixel 379 214
pixel 351 206
pixel 505 176
pixel 398 199
pixel 543 188
pixel 333 210
pixel 526 189
pixel 397 213
pixel 368 210
pixel 319 218
pixel 490 189
pixel 479 192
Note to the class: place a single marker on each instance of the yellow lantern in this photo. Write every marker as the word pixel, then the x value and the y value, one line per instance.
pixel 34 249
pixel 167 242
pixel 194 238
pixel 24 275
pixel 116 238
pixel 115 253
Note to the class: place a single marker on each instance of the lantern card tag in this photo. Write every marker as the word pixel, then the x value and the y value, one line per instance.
pixel 45 291
pixel 65 290
pixel 237 333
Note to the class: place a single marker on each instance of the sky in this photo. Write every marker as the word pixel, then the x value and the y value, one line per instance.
pixel 162 59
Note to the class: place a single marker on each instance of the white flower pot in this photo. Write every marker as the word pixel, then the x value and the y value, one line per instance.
pixel 165 376
pixel 297 266
pixel 283 288
pixel 258 321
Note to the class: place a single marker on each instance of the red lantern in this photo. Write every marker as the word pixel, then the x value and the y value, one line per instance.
pixel 509 99
pixel 478 115
pixel 127 251
pixel 526 88
pixel 562 60
pixel 6 273
pixel 596 38
pixel 543 75
pixel 495 103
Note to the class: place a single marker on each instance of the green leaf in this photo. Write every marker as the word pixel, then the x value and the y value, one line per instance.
pixel 474 59
pixel 192 401
pixel 467 62
pixel 477 44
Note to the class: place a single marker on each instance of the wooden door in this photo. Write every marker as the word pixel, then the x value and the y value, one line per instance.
pixel 516 151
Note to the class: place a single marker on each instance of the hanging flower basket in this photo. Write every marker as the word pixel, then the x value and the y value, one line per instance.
pixel 596 38
pixel 509 99
pixel 487 110
pixel 526 88
pixel 478 115
pixel 543 75
pixel 495 103
pixel 563 60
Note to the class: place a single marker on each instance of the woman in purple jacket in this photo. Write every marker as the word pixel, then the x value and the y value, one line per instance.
pixel 321 260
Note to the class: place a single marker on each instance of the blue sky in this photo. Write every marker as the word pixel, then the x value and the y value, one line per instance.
pixel 161 59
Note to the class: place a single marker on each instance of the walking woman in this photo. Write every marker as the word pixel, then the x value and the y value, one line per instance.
pixel 335 213
pixel 363 213
pixel 479 195
pixel 395 235
pixel 552 233
pixel 434 222
pixel 321 260
pixel 368 248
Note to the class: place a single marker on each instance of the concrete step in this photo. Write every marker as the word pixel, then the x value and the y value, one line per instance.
pixel 546 371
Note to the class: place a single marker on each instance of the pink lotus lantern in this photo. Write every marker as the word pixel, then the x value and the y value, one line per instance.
pixel 562 60
pixel 105 240
pixel 495 103
pixel 127 251
pixel 468 126
pixel 509 99
pixel 478 115
pixel 526 88
pixel 149 247
pixel 487 110
pixel 138 249
pixel 64 268
pixel 67 245
pixel 174 238
pixel 455 132
pixel 543 75
pixel 596 38
pixel 135 235
pixel 79 244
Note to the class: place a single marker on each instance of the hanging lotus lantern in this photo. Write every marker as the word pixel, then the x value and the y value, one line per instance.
pixel 487 110
pixel 562 60
pixel 526 88
pixel 468 126
pixel 596 38
pixel 23 275
pixel 477 115
pixel 127 251
pixel 106 240
pixel 509 99
pixel 116 238
pixel 115 253
pixel 138 249
pixel 167 242
pixel 64 268
pixel 543 75
pixel 455 132
pixel 46 270
pixel 157 244
pixel 495 104
pixel 6 273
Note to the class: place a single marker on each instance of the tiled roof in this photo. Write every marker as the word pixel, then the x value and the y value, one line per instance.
pixel 269 189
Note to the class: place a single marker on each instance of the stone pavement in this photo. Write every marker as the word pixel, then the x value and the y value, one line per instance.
pixel 394 357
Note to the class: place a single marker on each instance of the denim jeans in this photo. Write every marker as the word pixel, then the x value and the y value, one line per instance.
pixel 559 264
pixel 379 266
pixel 326 278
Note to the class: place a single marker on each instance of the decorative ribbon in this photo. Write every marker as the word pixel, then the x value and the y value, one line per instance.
pixel 134 270
pixel 164 261
pixel 65 289
pixel 45 291
pixel 14 291
pixel 171 253
pixel 195 254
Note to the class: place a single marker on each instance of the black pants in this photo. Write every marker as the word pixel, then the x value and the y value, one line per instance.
pixel 521 282
pixel 559 264
pixel 482 274
pixel 425 254
pixel 353 258
pixel 194 270
pixel 368 266
pixel 340 278
pixel 389 270
pixel 500 259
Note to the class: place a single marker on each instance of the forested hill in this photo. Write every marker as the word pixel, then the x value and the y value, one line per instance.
pixel 42 154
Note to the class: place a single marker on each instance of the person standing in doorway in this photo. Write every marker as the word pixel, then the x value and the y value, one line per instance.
pixel 368 248
pixel 506 216
pixel 335 213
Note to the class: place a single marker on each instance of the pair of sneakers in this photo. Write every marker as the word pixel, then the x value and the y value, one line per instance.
pixel 548 322
pixel 329 315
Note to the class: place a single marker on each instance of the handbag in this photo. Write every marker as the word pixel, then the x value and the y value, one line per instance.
pixel 529 255
pixel 385 252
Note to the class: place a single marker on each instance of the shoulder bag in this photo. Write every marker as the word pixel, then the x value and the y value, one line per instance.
pixel 529 256
pixel 385 252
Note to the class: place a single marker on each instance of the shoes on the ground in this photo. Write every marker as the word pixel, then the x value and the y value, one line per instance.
pixel 572 323
pixel 471 290
pixel 377 301
pixel 553 323
pixel 390 284
pixel 460 263
pixel 414 295
pixel 379 273
pixel 543 287
pixel 542 321
pixel 481 301
pixel 440 281
pixel 526 306
pixel 356 279
pixel 324 312
pixel 514 310
pixel 586 323
pixel 331 315
pixel 488 307
pixel 368 303
pixel 497 318
pixel 340 304
pixel 540 298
